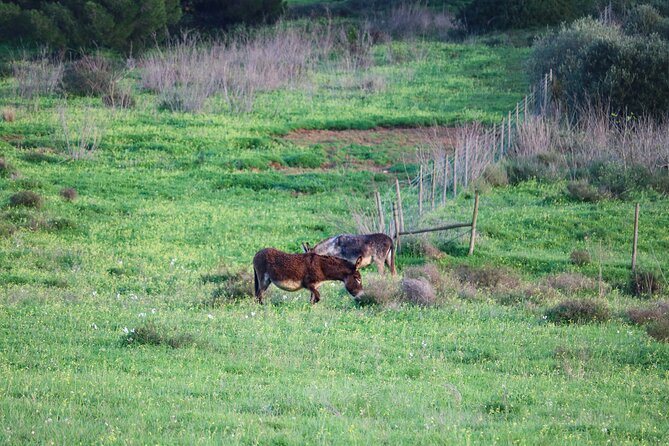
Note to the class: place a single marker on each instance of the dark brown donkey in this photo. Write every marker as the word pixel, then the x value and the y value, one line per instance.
pixel 377 248
pixel 292 272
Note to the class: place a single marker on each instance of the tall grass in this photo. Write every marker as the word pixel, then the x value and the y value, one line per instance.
pixel 192 69
pixel 40 75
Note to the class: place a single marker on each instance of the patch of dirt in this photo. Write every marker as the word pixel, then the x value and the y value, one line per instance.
pixel 396 136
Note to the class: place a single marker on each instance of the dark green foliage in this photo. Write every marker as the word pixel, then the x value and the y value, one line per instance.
pixel 619 180
pixel 646 20
pixel 578 312
pixel 225 13
pixel 122 24
pixel 487 15
pixel 593 62
pixel 150 334
pixel 27 199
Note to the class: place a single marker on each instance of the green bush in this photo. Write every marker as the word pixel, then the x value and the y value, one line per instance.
pixel 486 15
pixel 225 13
pixel 646 20
pixel 122 24
pixel 593 62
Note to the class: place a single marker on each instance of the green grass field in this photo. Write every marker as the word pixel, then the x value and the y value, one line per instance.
pixel 169 199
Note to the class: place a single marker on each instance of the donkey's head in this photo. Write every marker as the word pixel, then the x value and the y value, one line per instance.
pixel 353 281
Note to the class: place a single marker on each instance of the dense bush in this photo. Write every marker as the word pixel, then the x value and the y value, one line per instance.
pixel 578 312
pixel 646 20
pixel 225 13
pixel 121 24
pixel 486 15
pixel 27 199
pixel 594 62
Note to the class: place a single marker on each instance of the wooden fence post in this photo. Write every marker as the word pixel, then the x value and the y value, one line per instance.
pixel 501 146
pixel 472 237
pixel 466 173
pixel 445 184
pixel 379 208
pixel 525 114
pixel 508 129
pixel 517 116
pixel 434 181
pixel 636 237
pixel 420 191
pixel 399 203
pixel 397 226
pixel 455 173
pixel 545 105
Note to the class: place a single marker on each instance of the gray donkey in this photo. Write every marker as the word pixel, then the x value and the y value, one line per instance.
pixel 377 248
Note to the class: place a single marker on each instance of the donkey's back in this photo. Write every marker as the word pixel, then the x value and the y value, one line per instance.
pixel 377 248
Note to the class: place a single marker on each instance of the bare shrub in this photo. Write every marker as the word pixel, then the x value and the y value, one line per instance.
pixel 468 292
pixel 9 114
pixel 82 135
pixel 415 19
pixel 381 290
pixel 443 282
pixel 487 277
pixel 659 330
pixel 644 283
pixel 578 312
pixel 68 194
pixel 26 198
pixel 191 70
pixel 91 75
pixel 580 257
pixel 523 294
pixel 536 134
pixel 570 282
pixel 641 316
pixel 41 75
pixel 418 291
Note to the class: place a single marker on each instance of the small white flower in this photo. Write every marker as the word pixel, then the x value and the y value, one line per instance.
pixel 210 316
pixel 253 313
pixel 142 315
pixel 125 330
pixel 133 296
pixel 120 262
pixel 153 311
pixel 95 293
pixel 93 326
pixel 410 355
pixel 118 295
pixel 173 261
pixel 424 344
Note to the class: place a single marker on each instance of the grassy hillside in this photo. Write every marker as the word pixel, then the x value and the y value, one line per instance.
pixel 170 201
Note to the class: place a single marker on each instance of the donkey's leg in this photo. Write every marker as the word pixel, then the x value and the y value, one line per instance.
pixel 261 285
pixel 315 295
pixel 379 261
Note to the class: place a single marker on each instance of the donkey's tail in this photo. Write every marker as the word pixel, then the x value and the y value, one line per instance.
pixel 391 261
pixel 255 282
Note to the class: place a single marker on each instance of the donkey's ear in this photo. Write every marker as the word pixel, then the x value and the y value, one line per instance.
pixel 358 262
pixel 304 247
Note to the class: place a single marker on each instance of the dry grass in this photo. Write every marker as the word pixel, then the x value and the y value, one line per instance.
pixel 580 257
pixel 487 277
pixel 27 199
pixel 578 312
pixel 69 194
pixel 381 290
pixel 9 114
pixel 418 291
pixel 642 316
pixel 41 75
pixel 444 283
pixel 570 283
pixel 233 284
pixel 414 19
pixel 82 135
pixel 644 283
pixel 150 334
